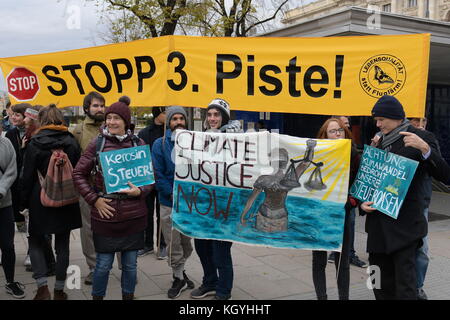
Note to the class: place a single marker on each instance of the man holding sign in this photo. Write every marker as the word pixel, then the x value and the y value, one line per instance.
pixel 392 243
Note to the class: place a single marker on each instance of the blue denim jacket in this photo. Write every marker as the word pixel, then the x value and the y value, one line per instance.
pixel 164 168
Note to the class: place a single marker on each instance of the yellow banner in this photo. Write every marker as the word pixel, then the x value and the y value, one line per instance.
pixel 335 75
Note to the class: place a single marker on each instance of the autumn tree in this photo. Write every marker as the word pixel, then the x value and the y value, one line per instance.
pixel 136 19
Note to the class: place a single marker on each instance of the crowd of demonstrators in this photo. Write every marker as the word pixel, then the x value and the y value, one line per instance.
pixel 334 128
pixel 150 134
pixel 52 134
pixel 84 133
pixel 215 255
pixel 118 220
pixel 123 222
pixel 180 247
pixel 354 259
pixel 392 243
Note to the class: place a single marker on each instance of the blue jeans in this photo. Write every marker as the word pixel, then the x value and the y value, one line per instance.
pixel 215 257
pixel 103 267
pixel 422 258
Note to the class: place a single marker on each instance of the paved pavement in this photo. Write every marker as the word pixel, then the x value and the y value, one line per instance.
pixel 260 273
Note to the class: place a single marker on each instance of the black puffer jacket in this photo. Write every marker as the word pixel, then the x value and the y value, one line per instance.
pixel 45 220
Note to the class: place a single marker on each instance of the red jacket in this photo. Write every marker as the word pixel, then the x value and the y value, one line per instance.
pixel 131 214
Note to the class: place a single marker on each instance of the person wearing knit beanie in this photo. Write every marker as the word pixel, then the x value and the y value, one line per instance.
pixel 216 120
pixel 173 110
pixel 123 111
pixel 156 111
pixel 388 107
pixel 394 241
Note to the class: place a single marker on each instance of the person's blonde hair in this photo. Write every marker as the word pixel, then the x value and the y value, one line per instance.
pixel 50 115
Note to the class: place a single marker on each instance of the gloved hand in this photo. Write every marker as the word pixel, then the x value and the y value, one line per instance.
pixel 233 126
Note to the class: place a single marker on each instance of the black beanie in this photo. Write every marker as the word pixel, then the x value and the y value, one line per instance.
pixel 156 111
pixel 388 107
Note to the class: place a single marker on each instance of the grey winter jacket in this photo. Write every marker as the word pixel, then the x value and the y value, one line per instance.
pixel 8 171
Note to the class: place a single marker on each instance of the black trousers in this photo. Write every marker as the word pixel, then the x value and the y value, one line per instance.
pixel 342 264
pixel 7 242
pixel 397 273
pixel 39 247
pixel 152 201
pixel 15 197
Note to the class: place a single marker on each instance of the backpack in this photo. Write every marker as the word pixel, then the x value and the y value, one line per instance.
pixel 57 188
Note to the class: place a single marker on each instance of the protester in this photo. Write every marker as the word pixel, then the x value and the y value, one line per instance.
pixel 6 122
pixel 31 121
pixel 118 220
pixel 392 243
pixel 420 123
pixel 335 129
pixel 8 173
pixel 84 133
pixel 422 259
pixel 180 247
pixel 16 135
pixel 149 134
pixel 52 134
pixel 215 255
pixel 354 259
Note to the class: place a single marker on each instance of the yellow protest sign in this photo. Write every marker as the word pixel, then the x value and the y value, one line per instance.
pixel 343 75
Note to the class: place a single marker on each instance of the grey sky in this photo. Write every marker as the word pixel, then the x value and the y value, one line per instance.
pixel 41 26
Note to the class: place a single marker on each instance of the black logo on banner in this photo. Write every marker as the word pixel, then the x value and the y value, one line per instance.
pixel 381 75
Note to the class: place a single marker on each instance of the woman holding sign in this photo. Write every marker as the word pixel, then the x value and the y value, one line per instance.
pixel 118 219
pixel 335 129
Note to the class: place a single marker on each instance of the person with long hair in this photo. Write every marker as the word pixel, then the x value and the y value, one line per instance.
pixel 335 129
pixel 52 134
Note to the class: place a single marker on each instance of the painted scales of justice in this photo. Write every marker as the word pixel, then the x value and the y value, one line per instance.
pixel 272 215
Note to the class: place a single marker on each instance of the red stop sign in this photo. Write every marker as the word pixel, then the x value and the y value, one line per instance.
pixel 22 84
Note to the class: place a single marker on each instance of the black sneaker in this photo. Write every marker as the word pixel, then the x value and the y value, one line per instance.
pixel 178 286
pixel 190 284
pixel 227 297
pixel 421 295
pixel 202 292
pixel 15 289
pixel 145 251
pixel 357 262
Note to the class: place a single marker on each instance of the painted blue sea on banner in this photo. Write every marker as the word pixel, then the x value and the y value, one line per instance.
pixel 201 212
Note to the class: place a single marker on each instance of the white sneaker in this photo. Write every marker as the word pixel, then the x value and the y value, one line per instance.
pixel 27 261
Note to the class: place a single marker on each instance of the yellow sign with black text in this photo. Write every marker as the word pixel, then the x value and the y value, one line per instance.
pixel 333 75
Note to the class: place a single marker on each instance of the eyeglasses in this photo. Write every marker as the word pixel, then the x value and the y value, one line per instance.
pixel 334 131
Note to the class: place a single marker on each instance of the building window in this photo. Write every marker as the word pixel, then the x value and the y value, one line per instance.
pixel 412 3
pixel 387 7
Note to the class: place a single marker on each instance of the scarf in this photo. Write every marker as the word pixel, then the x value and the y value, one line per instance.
pixel 393 136
pixel 120 138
